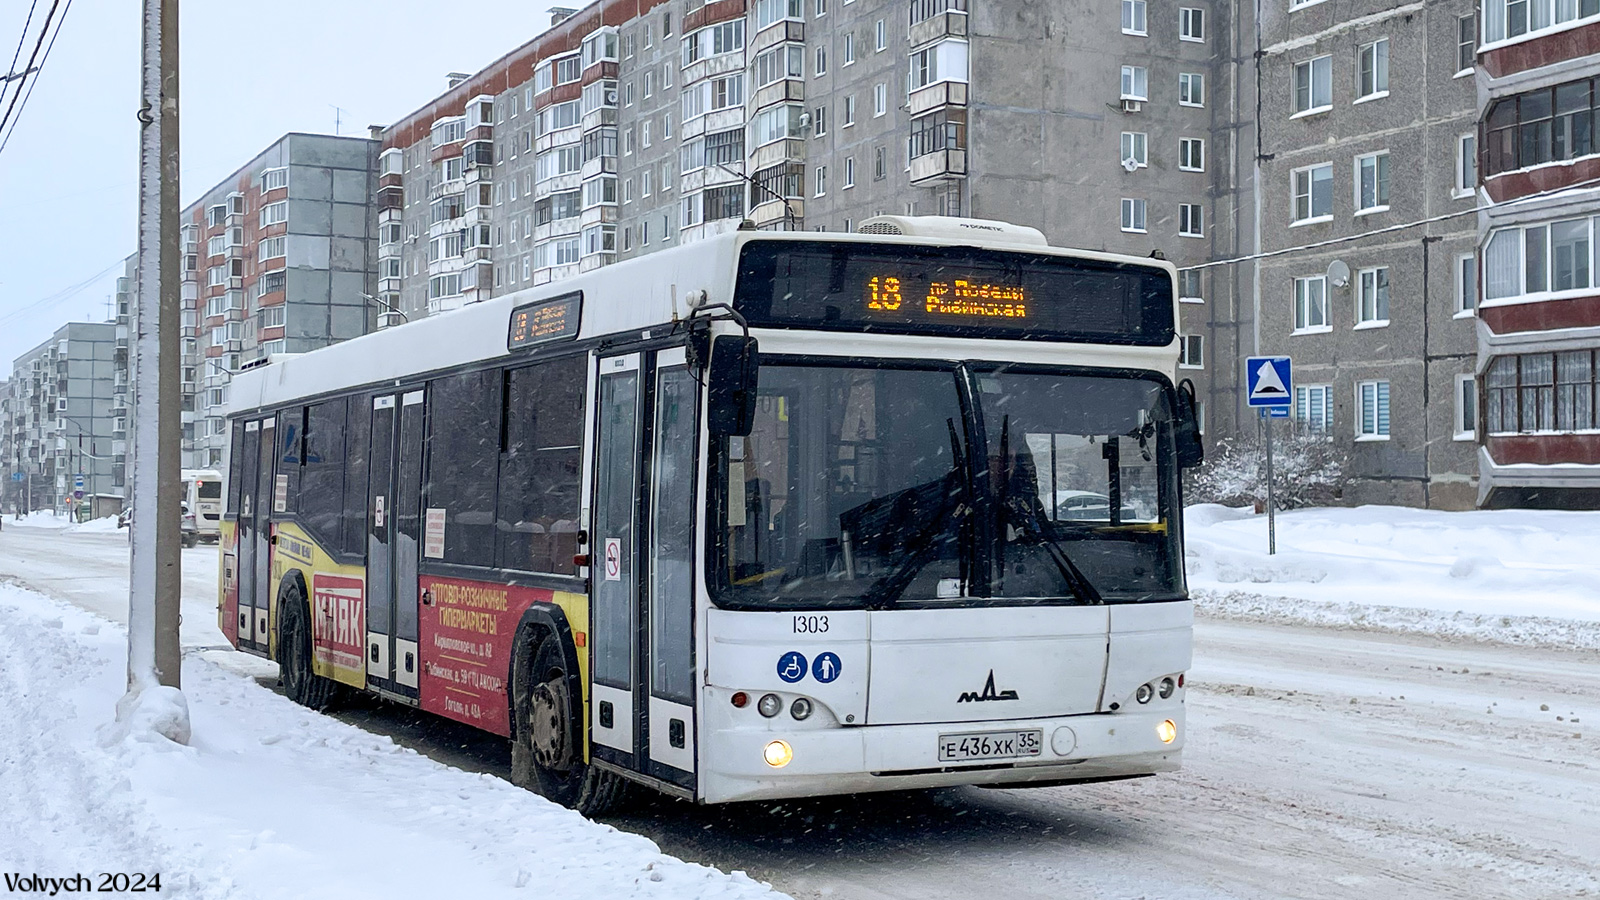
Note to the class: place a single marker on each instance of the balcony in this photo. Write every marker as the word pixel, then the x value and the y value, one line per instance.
pixel 937 96
pixel 776 212
pixel 948 23
pixel 939 166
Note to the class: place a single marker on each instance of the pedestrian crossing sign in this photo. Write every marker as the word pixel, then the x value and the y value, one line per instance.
pixel 1270 380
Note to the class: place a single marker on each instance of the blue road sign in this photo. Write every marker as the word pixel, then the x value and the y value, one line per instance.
pixel 1269 380
pixel 826 667
pixel 1274 412
pixel 16 476
pixel 77 482
pixel 792 666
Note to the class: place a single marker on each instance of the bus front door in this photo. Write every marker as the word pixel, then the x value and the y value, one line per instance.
pixel 255 534
pixel 394 487
pixel 642 710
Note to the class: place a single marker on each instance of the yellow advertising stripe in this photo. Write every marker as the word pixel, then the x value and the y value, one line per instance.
pixel 470 662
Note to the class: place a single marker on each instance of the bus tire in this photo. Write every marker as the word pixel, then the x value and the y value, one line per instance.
pixel 300 683
pixel 546 740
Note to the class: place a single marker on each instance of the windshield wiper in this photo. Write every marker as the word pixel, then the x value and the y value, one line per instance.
pixel 1030 519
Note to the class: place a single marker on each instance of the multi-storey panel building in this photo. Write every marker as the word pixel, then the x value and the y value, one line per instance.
pixel 1538 351
pixel 59 417
pixel 1362 109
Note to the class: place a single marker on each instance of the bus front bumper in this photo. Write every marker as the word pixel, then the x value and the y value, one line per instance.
pixel 846 760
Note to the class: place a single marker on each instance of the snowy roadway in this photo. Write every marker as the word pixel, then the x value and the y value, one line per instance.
pixel 1321 762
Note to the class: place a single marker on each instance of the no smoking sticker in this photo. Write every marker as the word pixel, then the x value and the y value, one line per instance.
pixel 613 559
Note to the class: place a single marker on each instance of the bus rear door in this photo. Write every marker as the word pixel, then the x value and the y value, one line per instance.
pixel 394 487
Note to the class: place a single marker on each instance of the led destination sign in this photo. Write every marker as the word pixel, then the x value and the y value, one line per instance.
pixel 545 321
pixel 962 291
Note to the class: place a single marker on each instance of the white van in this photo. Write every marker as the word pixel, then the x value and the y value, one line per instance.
pixel 202 491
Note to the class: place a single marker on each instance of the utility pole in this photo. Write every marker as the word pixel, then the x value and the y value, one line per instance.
pixel 154 657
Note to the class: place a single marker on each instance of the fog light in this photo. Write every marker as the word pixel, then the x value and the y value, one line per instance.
pixel 740 699
pixel 800 709
pixel 778 754
pixel 1143 694
pixel 1167 731
pixel 1167 687
pixel 770 705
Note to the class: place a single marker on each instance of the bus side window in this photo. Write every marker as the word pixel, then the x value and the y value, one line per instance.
pixel 289 432
pixel 463 463
pixel 322 479
pixel 235 465
pixel 358 437
pixel 540 465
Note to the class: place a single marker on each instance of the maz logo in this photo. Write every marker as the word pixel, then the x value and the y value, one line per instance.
pixel 989 693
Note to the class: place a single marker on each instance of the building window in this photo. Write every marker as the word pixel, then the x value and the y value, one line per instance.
pixel 1372 71
pixel 1466 408
pixel 850 48
pixel 1313 193
pixel 1372 183
pixel 821 180
pixel 274 213
pixel 1466 42
pixel 880 34
pixel 1191 24
pixel 944 61
pixel 880 163
pixel 1189 286
pixel 822 61
pixel 272 179
pixel 1466 284
pixel 1133 215
pixel 1503 19
pixel 1192 351
pixel 849 172
pixel 880 99
pixel 1372 298
pixel 1191 220
pixel 1311 305
pixel 1466 165
pixel 1372 400
pixel 1313 406
pixel 1543 126
pixel 1133 17
pixel 849 111
pixel 1536 260
pixel 1192 154
pixel 821 8
pixel 931 134
pixel 1135 147
pixel 1135 83
pixel 819 121
pixel 1191 89
pixel 1313 86
pixel 769 12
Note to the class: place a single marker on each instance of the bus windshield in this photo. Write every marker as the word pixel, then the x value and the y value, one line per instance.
pixel 877 486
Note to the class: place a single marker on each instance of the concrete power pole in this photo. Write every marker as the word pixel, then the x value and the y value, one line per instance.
pixel 154 657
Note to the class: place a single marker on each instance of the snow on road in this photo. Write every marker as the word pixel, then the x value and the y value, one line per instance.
pixel 1321 763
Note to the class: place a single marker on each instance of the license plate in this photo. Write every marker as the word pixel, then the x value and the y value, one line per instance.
pixel 989 745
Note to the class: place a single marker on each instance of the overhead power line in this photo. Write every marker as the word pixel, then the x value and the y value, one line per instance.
pixel 21 39
pixel 38 71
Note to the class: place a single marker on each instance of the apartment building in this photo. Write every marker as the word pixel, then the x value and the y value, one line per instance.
pixel 61 419
pixel 279 257
pixel 629 127
pixel 1538 325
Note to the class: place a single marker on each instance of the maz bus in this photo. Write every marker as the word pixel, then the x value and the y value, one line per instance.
pixel 769 515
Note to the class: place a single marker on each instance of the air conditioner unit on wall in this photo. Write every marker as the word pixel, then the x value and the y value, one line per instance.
pixel 1132 106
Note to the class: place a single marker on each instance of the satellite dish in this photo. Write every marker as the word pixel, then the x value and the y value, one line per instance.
pixel 1338 273
pixel 1130 164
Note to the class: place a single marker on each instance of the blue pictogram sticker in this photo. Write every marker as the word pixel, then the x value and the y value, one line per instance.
pixel 826 668
pixel 792 666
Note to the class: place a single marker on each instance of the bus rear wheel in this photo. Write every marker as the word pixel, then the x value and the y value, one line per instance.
pixel 300 683
pixel 546 744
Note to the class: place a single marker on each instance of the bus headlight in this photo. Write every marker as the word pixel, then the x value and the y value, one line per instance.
pixel 1166 688
pixel 1143 694
pixel 778 754
pixel 800 709
pixel 1167 731
pixel 770 705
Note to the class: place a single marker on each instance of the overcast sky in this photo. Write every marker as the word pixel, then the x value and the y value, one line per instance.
pixel 250 73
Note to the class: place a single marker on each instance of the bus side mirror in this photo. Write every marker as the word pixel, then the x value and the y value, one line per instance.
pixel 732 376
pixel 1186 430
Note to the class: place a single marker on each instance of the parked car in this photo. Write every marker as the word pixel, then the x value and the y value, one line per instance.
pixel 190 527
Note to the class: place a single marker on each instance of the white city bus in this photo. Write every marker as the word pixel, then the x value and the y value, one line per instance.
pixel 769 515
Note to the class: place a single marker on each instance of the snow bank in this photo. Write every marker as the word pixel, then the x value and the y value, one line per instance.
pixel 270 799
pixel 40 518
pixel 1527 575
pixel 102 525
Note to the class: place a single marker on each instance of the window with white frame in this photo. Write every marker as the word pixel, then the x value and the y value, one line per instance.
pixel 271 248
pixel 1133 17
pixel 821 67
pixel 1135 83
pixel 1189 286
pixel 274 213
pixel 1466 165
pixel 1467 42
pixel 820 180
pixel 849 111
pixel 391 161
pixel 1313 193
pixel 880 37
pixel 944 61
pixel 1372 70
pixel 1191 89
pixel 819 121
pixel 1191 220
pixel 272 179
pixel 1191 351
pixel 1311 304
pixel 1466 396
pixel 1372 406
pixel 850 48
pixel 1506 19
pixel 769 12
pixel 1535 261
pixel 1192 154
pixel 776 123
pixel 1372 182
pixel 271 316
pixel 849 172
pixel 569 69
pixel 1372 297
pixel 880 99
pixel 1191 24
pixel 1133 215
pixel 780 62
pixel 1466 284
pixel 1136 146
pixel 1313 85
pixel 1313 406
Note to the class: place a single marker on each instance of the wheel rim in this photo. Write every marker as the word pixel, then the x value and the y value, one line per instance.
pixel 548 725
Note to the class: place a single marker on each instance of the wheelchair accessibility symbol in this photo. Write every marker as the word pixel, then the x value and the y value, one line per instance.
pixel 792 666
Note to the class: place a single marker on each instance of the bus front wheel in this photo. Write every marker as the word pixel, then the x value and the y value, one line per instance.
pixel 300 683
pixel 547 744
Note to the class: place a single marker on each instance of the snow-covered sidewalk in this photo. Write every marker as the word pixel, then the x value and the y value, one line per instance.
pixel 271 800
pixel 1515 576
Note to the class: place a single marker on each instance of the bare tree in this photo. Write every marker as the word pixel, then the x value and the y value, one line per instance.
pixel 1309 469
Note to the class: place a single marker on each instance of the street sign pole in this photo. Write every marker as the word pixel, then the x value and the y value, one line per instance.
pixel 1269 381
pixel 1272 522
